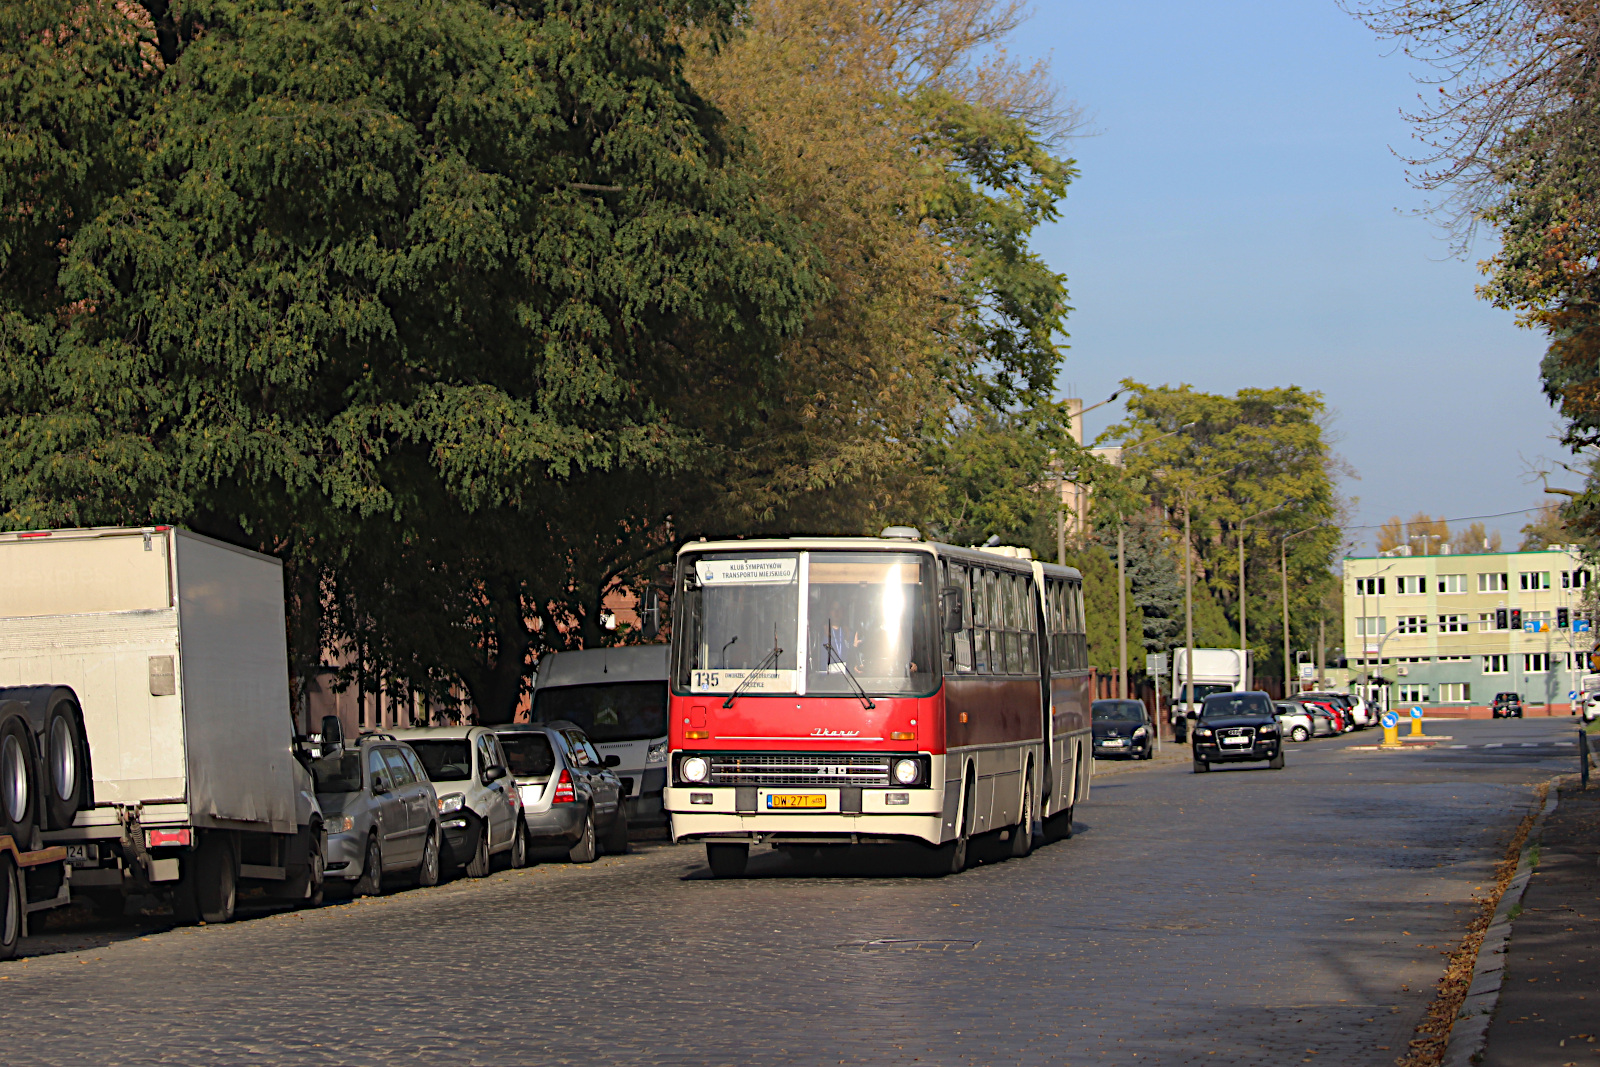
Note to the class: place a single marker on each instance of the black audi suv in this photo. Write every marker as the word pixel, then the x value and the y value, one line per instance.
pixel 1237 728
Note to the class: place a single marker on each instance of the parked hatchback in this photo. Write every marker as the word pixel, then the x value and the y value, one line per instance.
pixel 1295 722
pixel 478 808
pixel 1123 730
pixel 380 812
pixel 571 796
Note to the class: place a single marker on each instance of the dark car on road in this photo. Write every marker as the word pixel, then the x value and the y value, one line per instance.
pixel 1237 728
pixel 1123 730
pixel 1507 706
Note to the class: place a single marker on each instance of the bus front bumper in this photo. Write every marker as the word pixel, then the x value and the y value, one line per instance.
pixel 757 814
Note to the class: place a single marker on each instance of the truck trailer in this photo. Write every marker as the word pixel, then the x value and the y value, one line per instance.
pixel 172 650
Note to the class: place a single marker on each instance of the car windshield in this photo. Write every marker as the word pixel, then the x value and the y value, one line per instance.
pixel 619 711
pixel 1218 707
pixel 338 774
pixel 529 754
pixel 1118 711
pixel 446 759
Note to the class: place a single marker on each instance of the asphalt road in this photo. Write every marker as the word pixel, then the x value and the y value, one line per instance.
pixel 1246 916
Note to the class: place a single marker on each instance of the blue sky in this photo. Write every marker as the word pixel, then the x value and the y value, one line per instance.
pixel 1241 219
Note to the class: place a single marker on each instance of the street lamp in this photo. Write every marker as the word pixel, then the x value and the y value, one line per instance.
pixel 1122 571
pixel 1283 562
pixel 1061 486
pixel 1243 642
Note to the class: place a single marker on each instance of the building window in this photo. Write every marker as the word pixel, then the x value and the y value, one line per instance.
pixel 1410 584
pixel 1413 624
pixel 1452 583
pixel 1535 662
pixel 1536 621
pixel 1369 587
pixel 1485 620
pixel 1370 626
pixel 1534 580
pixel 1452 624
pixel 1454 659
pixel 1494 583
pixel 1455 692
pixel 1414 693
pixel 1496 664
pixel 1574 579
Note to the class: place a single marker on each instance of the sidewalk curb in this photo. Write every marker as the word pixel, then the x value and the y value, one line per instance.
pixel 1470 1033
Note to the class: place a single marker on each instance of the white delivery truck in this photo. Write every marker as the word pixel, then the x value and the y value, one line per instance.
pixel 1216 670
pixel 173 647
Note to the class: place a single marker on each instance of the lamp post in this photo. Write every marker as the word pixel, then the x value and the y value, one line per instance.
pixel 1188 585
pixel 1061 488
pixel 1283 562
pixel 1122 571
pixel 1244 644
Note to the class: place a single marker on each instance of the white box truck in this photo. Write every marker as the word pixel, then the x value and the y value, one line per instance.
pixel 173 646
pixel 1216 670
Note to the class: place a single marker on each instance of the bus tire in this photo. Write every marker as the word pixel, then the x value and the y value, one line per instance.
pixel 65 766
pixel 1022 833
pixel 727 860
pixel 952 856
pixel 12 906
pixel 1058 827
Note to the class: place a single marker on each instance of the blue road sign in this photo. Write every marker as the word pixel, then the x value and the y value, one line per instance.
pixel 1580 626
pixel 1572 694
pixel 1416 713
pixel 1390 720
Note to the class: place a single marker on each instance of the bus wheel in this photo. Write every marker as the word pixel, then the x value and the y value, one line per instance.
pixel 1022 833
pixel 727 861
pixel 1058 827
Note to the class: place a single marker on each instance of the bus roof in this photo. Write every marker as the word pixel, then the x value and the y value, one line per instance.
pixel 1003 557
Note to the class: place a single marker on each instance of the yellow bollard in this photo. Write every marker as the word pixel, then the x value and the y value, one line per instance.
pixel 1416 722
pixel 1391 737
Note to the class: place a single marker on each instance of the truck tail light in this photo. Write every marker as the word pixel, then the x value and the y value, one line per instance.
pixel 564 793
pixel 158 838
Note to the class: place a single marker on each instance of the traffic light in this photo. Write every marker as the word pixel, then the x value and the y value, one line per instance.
pixel 1500 619
pixel 1516 618
pixel 1563 616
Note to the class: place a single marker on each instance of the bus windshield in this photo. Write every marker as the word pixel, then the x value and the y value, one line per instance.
pixel 865 617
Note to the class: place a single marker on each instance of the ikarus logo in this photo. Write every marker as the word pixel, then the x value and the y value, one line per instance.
pixel 823 731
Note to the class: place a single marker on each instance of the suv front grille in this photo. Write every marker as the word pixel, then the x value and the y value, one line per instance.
pixel 787 769
pixel 1247 732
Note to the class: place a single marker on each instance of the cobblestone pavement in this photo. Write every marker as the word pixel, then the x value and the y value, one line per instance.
pixel 1247 916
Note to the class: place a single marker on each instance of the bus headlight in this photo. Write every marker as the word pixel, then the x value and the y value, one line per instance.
pixel 694 769
pixel 907 771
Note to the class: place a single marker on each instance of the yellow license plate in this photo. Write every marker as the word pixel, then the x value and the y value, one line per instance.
pixel 796 800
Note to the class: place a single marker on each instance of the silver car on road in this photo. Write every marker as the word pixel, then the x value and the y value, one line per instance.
pixel 571 797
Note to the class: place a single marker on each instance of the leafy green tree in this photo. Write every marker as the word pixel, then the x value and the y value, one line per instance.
pixel 377 288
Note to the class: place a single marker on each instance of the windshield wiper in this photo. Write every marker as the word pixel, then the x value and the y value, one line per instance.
pixel 770 657
pixel 835 657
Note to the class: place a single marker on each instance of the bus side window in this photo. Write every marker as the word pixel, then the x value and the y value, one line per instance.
pixel 1030 636
pixel 960 644
pixel 1080 637
pixel 982 588
pixel 1058 641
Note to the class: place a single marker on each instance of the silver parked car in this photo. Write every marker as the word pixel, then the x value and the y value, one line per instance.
pixel 1294 720
pixel 380 812
pixel 570 796
pixel 479 811
pixel 618 697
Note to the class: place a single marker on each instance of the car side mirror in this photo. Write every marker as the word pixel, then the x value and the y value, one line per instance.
pixel 612 760
pixel 379 786
pixel 493 773
pixel 950 604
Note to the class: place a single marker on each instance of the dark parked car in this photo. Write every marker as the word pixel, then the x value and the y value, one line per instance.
pixel 1237 728
pixel 1123 730
pixel 1507 705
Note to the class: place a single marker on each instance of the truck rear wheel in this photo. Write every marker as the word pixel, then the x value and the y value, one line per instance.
pixel 11 907
pixel 216 883
pixel 17 798
pixel 64 766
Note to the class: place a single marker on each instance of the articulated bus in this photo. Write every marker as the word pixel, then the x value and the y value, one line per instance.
pixel 874 691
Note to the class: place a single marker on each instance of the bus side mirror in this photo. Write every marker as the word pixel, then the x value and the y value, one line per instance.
pixel 950 609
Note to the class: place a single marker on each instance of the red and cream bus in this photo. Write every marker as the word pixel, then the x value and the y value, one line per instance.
pixel 866 691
